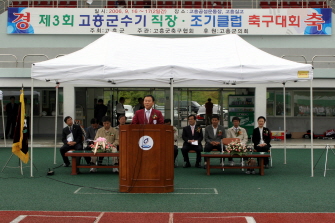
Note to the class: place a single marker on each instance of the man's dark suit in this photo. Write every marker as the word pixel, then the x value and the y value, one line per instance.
pixel 187 135
pixel 210 137
pixel 90 132
pixel 11 111
pixel 256 137
pixel 100 111
pixel 77 137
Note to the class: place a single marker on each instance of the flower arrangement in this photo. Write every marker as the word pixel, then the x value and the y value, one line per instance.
pixel 154 117
pixel 198 129
pixel 102 146
pixel 219 133
pixel 266 132
pixel 238 132
pixel 235 147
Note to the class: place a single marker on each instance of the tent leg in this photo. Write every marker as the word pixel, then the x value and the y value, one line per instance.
pixel 56 115
pixel 31 127
pixel 312 132
pixel 284 90
pixel 3 122
pixel 171 101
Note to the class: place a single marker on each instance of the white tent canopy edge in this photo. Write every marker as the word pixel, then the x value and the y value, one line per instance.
pixel 128 61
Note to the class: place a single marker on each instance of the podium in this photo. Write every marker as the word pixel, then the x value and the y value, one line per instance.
pixel 146 159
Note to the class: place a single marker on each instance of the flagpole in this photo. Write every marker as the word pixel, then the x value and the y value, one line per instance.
pixel 31 126
pixel 3 118
pixel 56 115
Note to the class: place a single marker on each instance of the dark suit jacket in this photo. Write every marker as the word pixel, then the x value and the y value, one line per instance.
pixel 90 132
pixel 256 137
pixel 12 112
pixel 100 111
pixel 209 134
pixel 187 134
pixel 77 134
pixel 140 117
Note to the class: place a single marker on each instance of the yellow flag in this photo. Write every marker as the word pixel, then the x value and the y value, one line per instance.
pixel 20 141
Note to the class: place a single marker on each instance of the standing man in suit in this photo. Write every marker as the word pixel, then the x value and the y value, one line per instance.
pixel 209 111
pixel 148 115
pixel 192 136
pixel 139 105
pixel 120 109
pixel 100 110
pixel 237 132
pixel 11 111
pixel 213 135
pixel 72 138
pixel 261 138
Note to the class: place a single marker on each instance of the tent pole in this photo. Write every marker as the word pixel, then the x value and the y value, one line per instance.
pixel 312 132
pixel 284 89
pixel 3 120
pixel 31 127
pixel 171 101
pixel 56 115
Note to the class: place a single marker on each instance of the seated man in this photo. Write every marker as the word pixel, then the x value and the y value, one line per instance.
pixel 109 133
pixel 192 136
pixel 72 138
pixel 175 134
pixel 213 135
pixel 237 132
pixel 90 135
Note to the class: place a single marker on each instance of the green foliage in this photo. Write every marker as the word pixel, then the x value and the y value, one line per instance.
pixel 160 96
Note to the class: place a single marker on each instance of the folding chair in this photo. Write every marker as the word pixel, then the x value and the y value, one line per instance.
pixel 195 158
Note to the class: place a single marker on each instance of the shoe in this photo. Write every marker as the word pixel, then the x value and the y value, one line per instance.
pixel 197 165
pixel 205 165
pixel 253 172
pixel 66 164
pixel 93 170
pixel 248 172
pixel 187 164
pixel 116 164
pixel 115 170
pixel 267 166
pixel 231 163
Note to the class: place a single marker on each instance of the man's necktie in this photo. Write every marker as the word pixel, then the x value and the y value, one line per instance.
pixel 192 127
pixel 148 115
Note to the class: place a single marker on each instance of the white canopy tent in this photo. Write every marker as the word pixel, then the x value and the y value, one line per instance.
pixel 128 61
